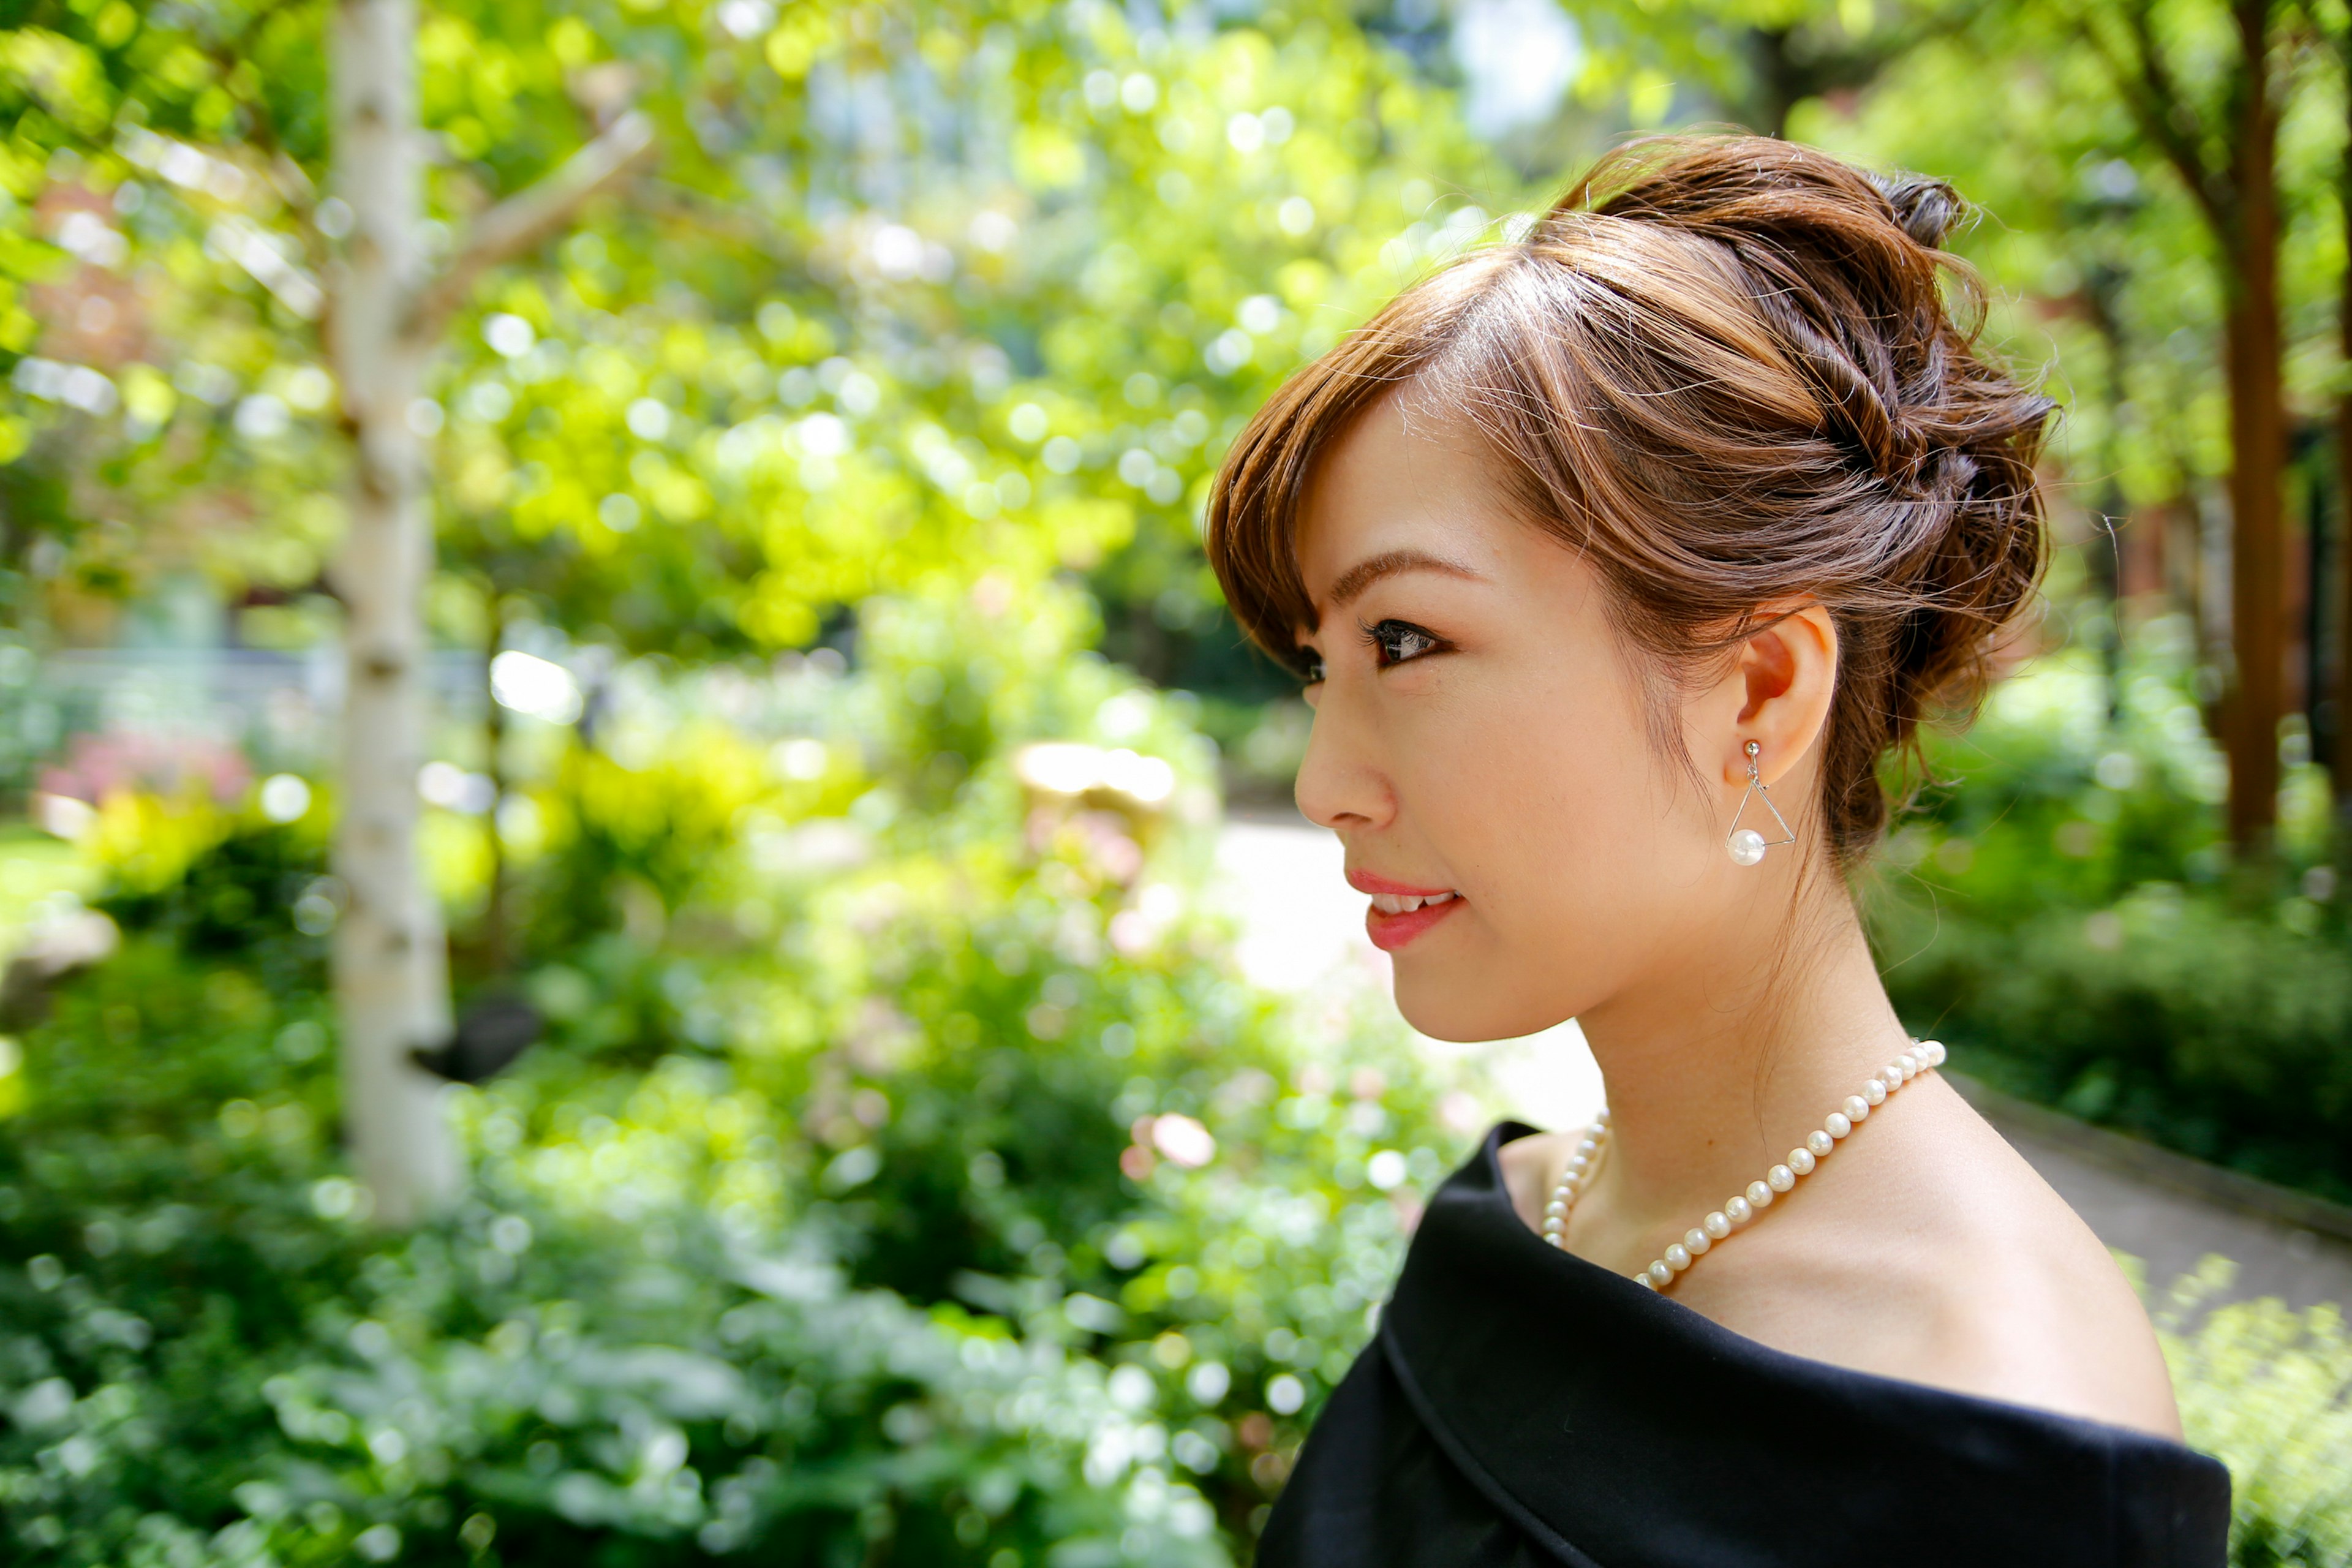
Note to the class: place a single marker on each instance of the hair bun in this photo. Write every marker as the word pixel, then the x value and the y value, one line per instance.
pixel 1925 208
pixel 1846 269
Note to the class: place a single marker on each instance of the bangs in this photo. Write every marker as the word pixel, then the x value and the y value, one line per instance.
pixel 1252 530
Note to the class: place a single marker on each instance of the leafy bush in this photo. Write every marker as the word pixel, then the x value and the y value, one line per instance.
pixel 2063 911
pixel 907 1176
pixel 2269 1393
pixel 234 1366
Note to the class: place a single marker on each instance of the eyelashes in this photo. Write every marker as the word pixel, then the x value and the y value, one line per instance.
pixel 1392 643
pixel 1397 642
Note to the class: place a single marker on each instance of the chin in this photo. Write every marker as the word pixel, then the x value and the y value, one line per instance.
pixel 1455 1006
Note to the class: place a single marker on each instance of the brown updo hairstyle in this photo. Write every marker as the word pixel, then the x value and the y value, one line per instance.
pixel 1724 369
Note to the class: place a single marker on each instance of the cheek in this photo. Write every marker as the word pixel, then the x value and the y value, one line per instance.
pixel 1537 795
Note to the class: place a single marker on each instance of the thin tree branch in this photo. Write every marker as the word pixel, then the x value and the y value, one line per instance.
pixel 662 198
pixel 292 181
pixel 2154 101
pixel 227 54
pixel 521 221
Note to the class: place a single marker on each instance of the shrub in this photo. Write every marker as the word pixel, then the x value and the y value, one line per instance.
pixel 941 1194
pixel 2061 910
pixel 2269 1392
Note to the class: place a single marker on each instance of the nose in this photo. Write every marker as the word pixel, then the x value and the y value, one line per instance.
pixel 1340 783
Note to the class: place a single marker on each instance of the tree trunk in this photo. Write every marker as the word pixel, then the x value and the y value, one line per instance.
pixel 2257 692
pixel 390 954
pixel 2340 752
pixel 498 915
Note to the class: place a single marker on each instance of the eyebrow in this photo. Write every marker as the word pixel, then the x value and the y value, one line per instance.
pixel 1352 583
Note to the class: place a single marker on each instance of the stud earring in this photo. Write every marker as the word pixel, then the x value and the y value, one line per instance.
pixel 1745 844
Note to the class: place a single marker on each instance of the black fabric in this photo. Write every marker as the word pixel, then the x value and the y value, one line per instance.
pixel 1521 1407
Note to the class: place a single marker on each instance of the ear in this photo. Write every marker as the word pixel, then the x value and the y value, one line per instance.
pixel 1783 678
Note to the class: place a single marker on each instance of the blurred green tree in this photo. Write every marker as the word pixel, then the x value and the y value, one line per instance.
pixel 2160 180
pixel 917 294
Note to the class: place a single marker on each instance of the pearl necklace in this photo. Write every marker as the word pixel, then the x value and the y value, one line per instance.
pixel 1742 1207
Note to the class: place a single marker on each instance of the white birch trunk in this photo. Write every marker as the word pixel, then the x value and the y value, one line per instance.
pixel 390 955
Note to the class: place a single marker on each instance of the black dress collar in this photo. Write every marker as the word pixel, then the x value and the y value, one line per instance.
pixel 1618 1427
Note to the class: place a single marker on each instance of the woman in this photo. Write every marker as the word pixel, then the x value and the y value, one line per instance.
pixel 1616 559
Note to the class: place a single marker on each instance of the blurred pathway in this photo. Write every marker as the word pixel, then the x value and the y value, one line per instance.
pixel 1303 932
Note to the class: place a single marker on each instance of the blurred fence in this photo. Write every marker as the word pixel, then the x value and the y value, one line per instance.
pixel 277 708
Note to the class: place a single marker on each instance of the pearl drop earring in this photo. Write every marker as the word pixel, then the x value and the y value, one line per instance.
pixel 1745 844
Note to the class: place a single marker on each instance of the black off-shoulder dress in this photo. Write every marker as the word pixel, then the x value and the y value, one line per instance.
pixel 1521 1407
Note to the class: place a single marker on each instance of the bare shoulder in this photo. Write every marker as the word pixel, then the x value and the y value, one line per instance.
pixel 1929 1251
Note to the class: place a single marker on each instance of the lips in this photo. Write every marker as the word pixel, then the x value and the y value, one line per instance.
pixel 1400 910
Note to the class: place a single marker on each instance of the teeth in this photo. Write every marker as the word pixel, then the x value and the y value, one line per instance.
pixel 1401 903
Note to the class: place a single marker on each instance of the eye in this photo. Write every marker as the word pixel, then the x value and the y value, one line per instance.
pixel 1395 642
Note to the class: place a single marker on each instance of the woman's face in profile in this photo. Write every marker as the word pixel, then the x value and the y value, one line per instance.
pixel 1482 743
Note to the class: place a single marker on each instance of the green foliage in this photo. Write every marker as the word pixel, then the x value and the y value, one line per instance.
pixel 2062 909
pixel 160 1247
pixel 907 1173
pixel 804 366
pixel 2269 1393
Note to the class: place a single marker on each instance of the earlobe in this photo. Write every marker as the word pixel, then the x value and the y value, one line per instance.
pixel 1788 672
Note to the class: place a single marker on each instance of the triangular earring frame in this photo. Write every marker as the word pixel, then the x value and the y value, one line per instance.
pixel 1759 789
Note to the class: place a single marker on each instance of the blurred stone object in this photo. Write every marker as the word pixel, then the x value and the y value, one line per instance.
pixel 61 816
pixel 1122 781
pixel 489 1036
pixel 1114 800
pixel 56 948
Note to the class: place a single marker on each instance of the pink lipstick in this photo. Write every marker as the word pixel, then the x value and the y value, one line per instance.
pixel 1400 911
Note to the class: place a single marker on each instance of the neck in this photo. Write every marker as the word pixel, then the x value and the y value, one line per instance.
pixel 1720 1063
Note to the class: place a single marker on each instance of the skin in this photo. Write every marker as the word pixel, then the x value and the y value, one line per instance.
pixel 1482 728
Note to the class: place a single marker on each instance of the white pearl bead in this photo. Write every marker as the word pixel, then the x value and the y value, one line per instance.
pixel 1555 1208
pixel 1602 1119
pixel 1742 1207
pixel 1552 1228
pixel 1932 1052
pixel 1747 847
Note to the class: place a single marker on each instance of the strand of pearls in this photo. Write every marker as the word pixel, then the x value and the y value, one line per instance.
pixel 1742 1207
